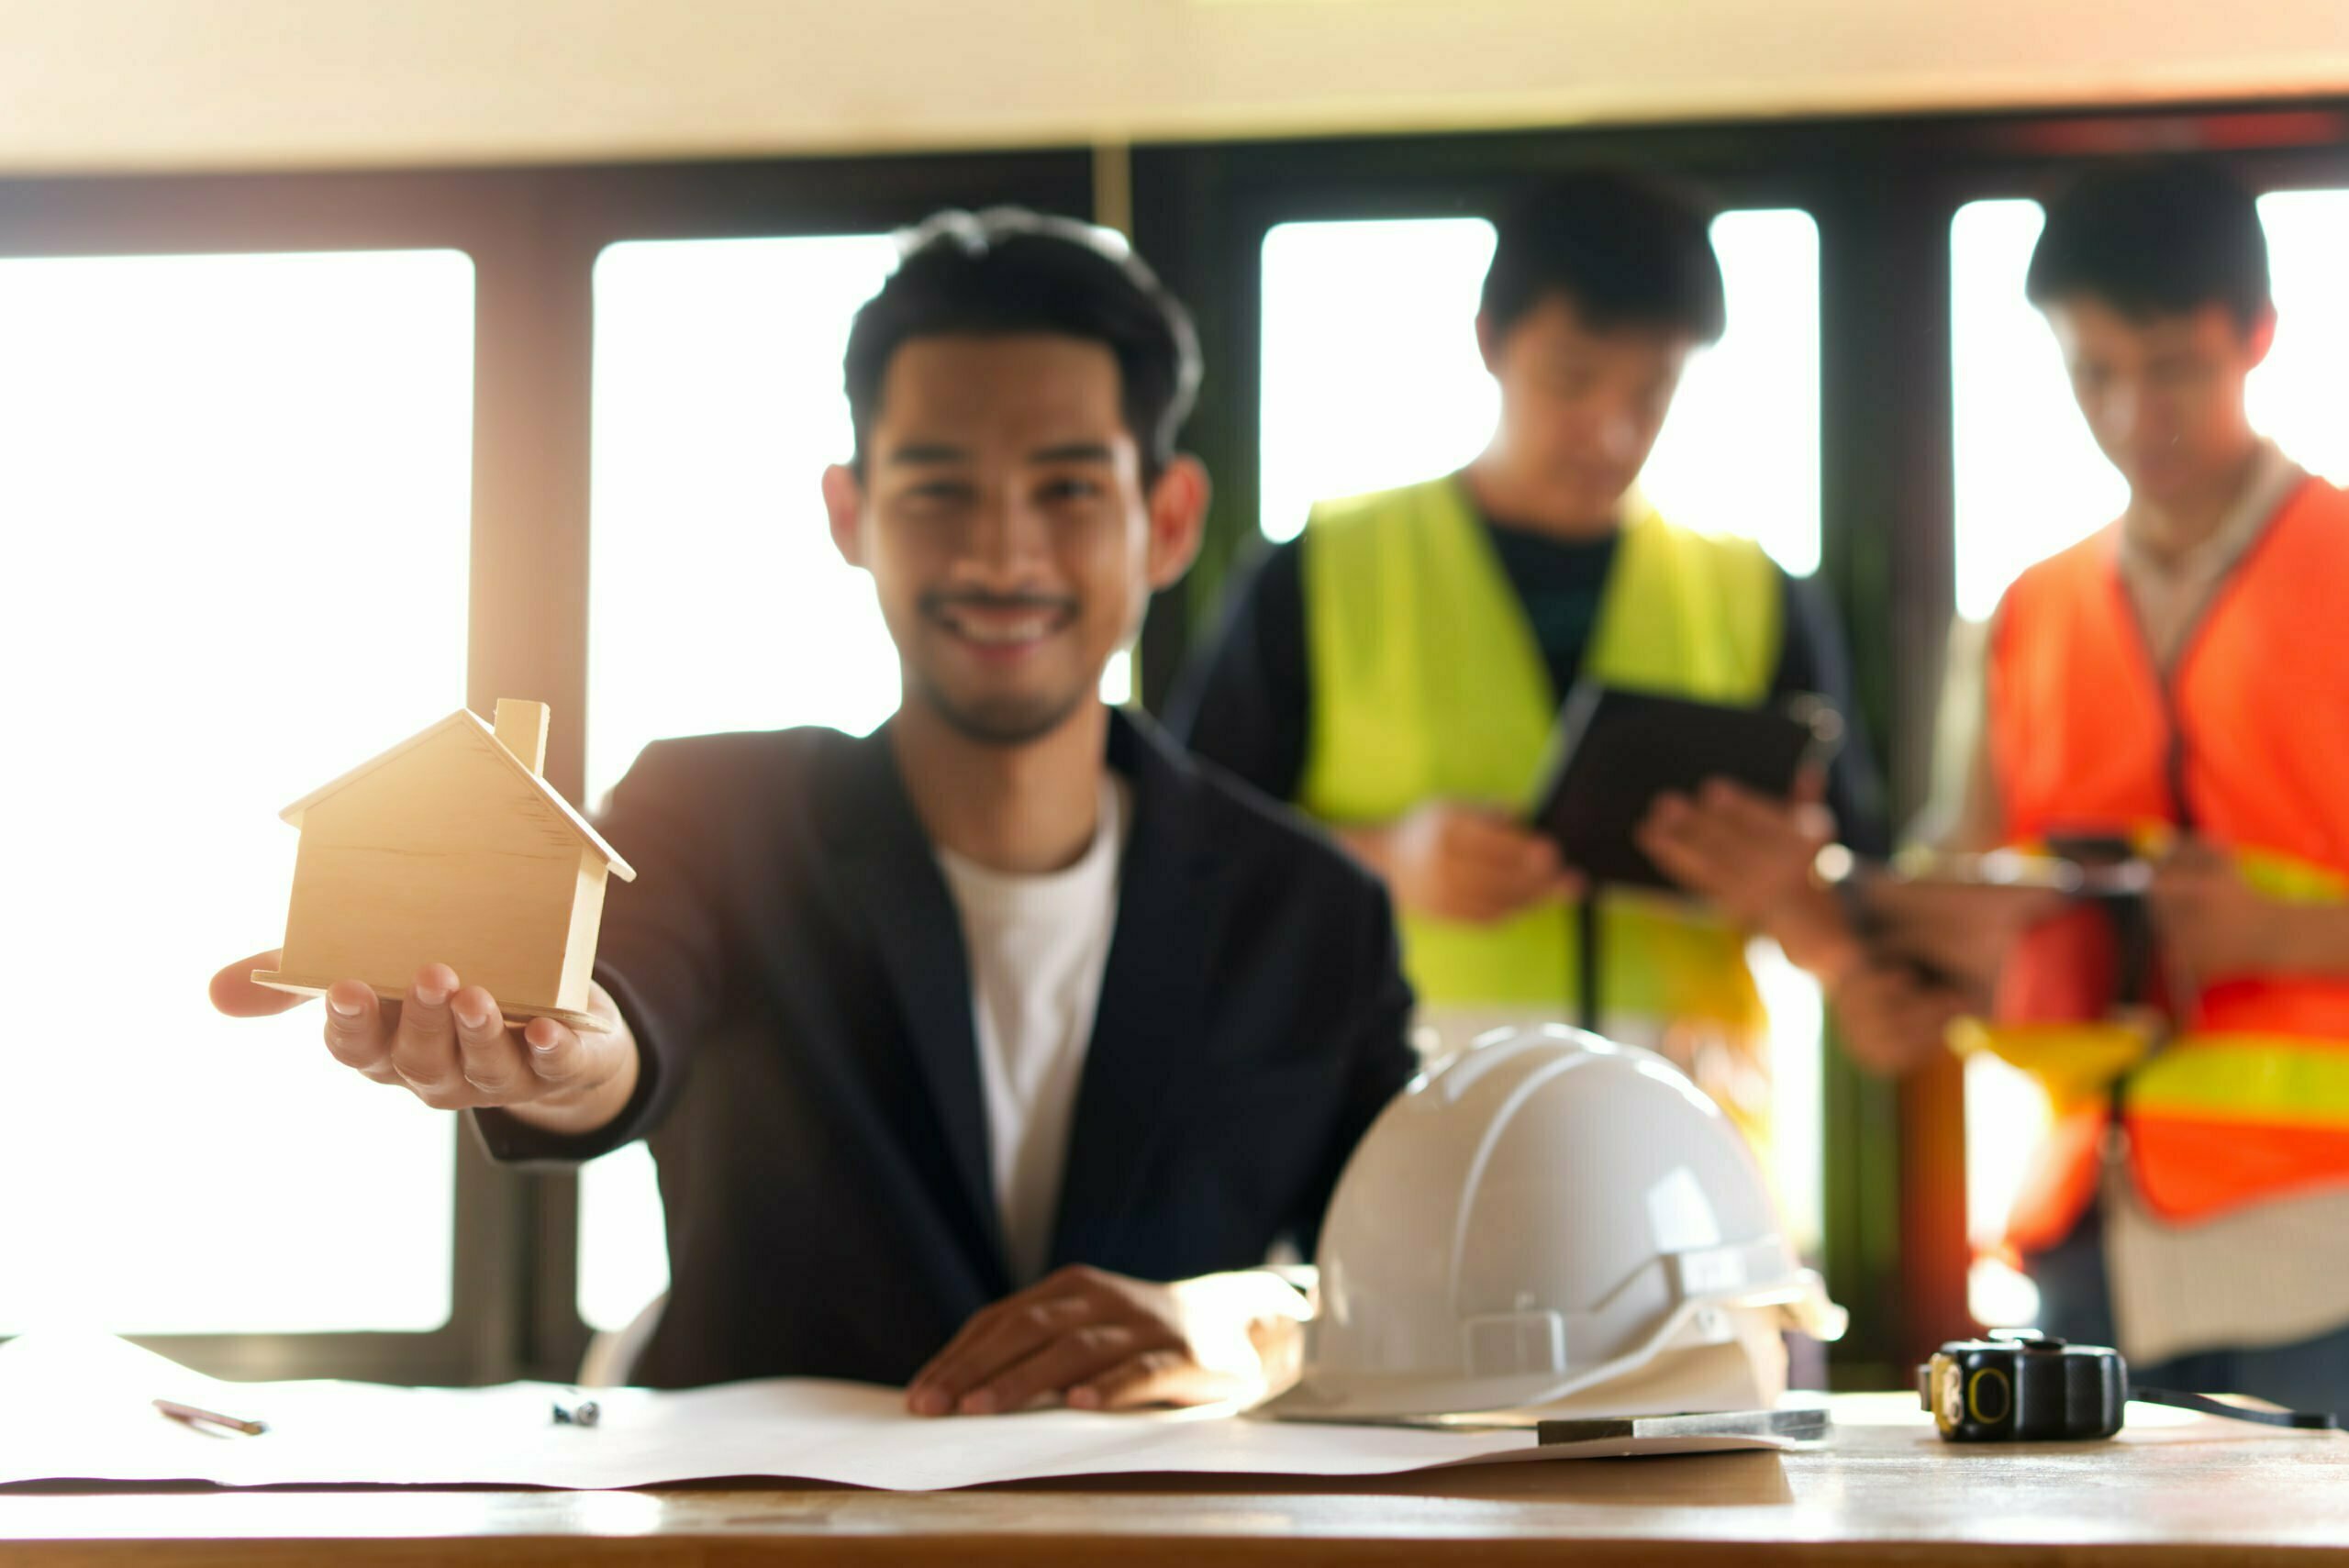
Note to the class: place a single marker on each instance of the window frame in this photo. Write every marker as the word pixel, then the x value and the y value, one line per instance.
pixel 533 236
pixel 1882 190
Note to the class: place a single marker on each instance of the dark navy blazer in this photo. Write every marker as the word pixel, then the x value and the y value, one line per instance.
pixel 793 968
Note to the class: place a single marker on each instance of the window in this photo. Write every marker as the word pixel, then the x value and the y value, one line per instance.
pixel 257 467
pixel 2029 481
pixel 718 601
pixel 1371 378
pixel 1348 409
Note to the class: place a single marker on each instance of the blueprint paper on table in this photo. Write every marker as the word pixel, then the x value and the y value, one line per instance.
pixel 98 1423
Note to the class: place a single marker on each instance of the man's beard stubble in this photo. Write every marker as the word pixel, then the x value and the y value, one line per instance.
pixel 1004 722
pixel 1010 721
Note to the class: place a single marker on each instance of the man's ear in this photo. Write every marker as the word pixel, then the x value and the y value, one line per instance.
pixel 2262 338
pixel 1178 515
pixel 844 506
pixel 1488 343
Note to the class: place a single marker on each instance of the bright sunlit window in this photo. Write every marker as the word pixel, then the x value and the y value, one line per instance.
pixel 236 500
pixel 2029 481
pixel 1371 378
pixel 718 601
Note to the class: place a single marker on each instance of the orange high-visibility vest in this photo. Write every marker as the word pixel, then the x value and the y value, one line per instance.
pixel 2247 745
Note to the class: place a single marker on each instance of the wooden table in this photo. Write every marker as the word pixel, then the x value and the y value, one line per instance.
pixel 1887 1490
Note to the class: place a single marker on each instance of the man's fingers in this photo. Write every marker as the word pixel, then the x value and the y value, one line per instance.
pixel 2195 855
pixel 1514 887
pixel 1727 817
pixel 558 1056
pixel 998 1337
pixel 1723 827
pixel 1502 845
pixel 1501 867
pixel 1485 894
pixel 1675 855
pixel 1674 820
pixel 1686 849
pixel 1893 1021
pixel 2177 887
pixel 1918 1005
pixel 1074 1356
pixel 950 1355
pixel 424 1046
pixel 1009 1331
pixel 1161 1377
pixel 489 1058
pixel 1758 816
pixel 237 994
pixel 2192 882
pixel 1723 793
pixel 356 1034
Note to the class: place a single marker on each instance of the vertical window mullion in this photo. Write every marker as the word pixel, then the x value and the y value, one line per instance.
pixel 528 639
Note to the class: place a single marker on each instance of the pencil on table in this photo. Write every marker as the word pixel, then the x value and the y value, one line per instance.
pixel 195 1416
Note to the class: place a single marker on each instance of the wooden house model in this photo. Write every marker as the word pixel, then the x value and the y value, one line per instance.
pixel 450 848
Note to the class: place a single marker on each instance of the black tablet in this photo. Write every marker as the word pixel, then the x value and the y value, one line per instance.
pixel 1616 750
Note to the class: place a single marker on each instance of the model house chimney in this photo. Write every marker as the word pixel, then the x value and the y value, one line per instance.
pixel 523 729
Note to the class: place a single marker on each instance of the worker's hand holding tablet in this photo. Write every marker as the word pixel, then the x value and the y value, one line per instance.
pixel 1648 791
pixel 1891 1019
pixel 1938 929
pixel 1739 848
pixel 1951 919
pixel 448 1045
pixel 1719 802
pixel 2213 924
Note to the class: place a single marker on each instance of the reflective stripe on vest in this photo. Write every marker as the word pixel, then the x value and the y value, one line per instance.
pixel 2248 746
pixel 1428 684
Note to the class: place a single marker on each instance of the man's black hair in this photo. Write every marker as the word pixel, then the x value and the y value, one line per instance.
pixel 1008 270
pixel 1625 250
pixel 2153 238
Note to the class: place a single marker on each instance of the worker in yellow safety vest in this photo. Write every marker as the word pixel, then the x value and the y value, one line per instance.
pixel 1397 670
pixel 2178 685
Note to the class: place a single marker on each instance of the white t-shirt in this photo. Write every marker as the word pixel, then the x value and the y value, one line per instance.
pixel 1037 948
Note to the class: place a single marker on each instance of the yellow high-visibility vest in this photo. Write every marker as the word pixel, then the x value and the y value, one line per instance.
pixel 1428 684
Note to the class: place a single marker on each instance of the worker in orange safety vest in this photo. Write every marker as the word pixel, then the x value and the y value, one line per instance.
pixel 2175 687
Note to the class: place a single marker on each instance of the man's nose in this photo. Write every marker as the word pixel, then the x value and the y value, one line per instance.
pixel 2124 413
pixel 1619 435
pixel 1004 532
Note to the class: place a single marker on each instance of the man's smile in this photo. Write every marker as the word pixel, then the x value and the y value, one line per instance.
pixel 1001 627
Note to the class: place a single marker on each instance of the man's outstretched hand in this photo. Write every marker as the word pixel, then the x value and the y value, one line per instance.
pixel 450 1046
pixel 1095 1341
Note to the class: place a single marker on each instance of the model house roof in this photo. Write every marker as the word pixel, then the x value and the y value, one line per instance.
pixel 470 723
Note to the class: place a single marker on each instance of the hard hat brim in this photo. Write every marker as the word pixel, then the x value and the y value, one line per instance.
pixel 1630 1385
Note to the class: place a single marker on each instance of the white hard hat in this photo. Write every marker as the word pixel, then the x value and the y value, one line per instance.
pixel 1547 1216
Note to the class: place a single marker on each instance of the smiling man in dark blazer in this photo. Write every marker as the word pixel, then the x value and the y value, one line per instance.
pixel 995 1053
